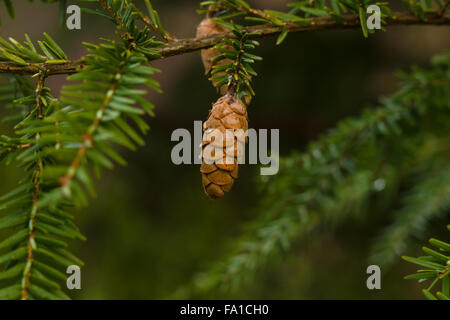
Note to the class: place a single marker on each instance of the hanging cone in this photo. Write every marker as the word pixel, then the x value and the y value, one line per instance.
pixel 220 155
pixel 206 28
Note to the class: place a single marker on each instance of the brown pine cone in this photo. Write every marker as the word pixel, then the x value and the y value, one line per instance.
pixel 206 28
pixel 218 176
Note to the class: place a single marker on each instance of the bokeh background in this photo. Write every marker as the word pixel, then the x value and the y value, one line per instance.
pixel 151 228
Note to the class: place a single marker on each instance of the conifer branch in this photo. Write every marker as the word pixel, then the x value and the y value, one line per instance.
pixel 31 68
pixel 37 248
pixel 153 21
pixel 88 138
pixel 67 137
pixel 183 46
pixel 36 177
pixel 437 264
pixel 51 137
pixel 104 82
pixel 301 203
pixel 111 12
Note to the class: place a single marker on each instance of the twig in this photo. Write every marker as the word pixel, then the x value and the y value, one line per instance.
pixel 20 147
pixel 33 68
pixel 116 18
pixel 35 198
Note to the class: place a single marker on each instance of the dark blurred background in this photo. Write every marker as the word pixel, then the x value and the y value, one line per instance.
pixel 151 228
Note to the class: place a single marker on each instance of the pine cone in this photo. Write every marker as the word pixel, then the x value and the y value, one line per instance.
pixel 206 28
pixel 218 176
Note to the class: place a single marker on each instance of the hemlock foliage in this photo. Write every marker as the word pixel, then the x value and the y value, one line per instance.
pixel 62 141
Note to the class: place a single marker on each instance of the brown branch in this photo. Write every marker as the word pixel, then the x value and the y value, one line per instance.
pixel 318 24
pixel 183 46
pixel 33 68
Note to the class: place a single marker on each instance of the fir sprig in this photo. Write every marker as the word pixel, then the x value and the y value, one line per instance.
pixel 435 268
pixel 33 266
pixel 236 73
pixel 60 141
